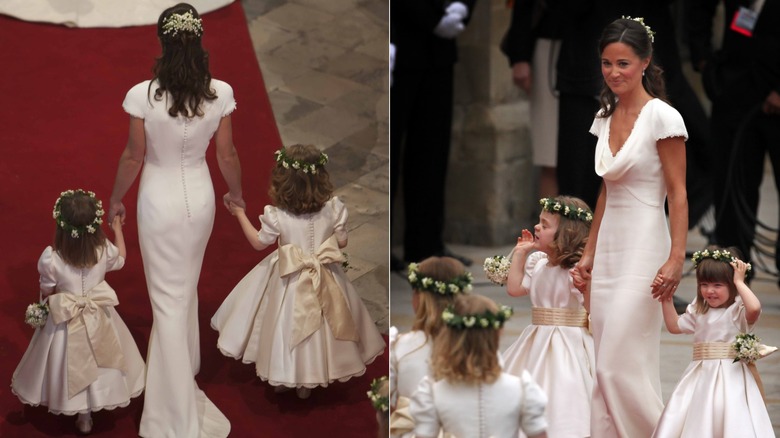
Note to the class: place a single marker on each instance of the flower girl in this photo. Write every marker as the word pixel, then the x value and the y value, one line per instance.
pixel 296 315
pixel 557 348
pixel 435 282
pixel 719 394
pixel 469 395
pixel 83 359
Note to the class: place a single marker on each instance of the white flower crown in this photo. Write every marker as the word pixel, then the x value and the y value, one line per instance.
pixel 306 167
pixel 459 284
pixel 553 205
pixel 641 21
pixel 185 22
pixel 76 231
pixel 720 255
pixel 487 320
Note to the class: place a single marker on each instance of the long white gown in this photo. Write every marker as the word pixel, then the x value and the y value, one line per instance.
pixel 42 375
pixel 633 242
pixel 715 397
pixel 559 358
pixel 176 209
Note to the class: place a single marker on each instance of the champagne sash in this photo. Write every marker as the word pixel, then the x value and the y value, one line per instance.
pixel 401 420
pixel 725 350
pixel 92 342
pixel 554 316
pixel 317 294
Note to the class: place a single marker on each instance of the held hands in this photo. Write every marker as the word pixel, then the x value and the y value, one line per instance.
pixel 451 24
pixel 581 272
pixel 116 224
pixel 666 281
pixel 235 209
pixel 238 200
pixel 577 280
pixel 117 209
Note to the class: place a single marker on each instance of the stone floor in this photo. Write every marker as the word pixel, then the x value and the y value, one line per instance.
pixel 325 69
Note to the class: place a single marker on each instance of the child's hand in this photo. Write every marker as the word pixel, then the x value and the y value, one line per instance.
pixel 525 242
pixel 740 270
pixel 116 224
pixel 235 209
pixel 580 283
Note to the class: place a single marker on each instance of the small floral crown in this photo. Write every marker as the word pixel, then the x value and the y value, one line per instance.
pixel 287 162
pixel 76 231
pixel 459 284
pixel 552 205
pixel 483 320
pixel 719 255
pixel 379 397
pixel 185 22
pixel 641 21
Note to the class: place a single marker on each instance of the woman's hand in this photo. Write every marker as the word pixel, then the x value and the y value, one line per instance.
pixel 582 272
pixel 238 200
pixel 666 280
pixel 117 209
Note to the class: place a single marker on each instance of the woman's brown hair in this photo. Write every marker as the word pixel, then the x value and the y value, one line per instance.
pixel 182 69
pixel 79 210
pixel 468 355
pixel 296 191
pixel 571 236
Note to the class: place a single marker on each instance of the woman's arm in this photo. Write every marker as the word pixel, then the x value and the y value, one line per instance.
pixel 671 151
pixel 585 265
pixel 514 281
pixel 130 163
pixel 227 158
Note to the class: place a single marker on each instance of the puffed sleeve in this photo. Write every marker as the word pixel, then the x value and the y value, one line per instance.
pixel 269 225
pixel 46 268
pixel 687 321
pixel 530 266
pixel 423 410
pixel 114 261
pixel 340 229
pixel 737 311
pixel 667 123
pixel 393 375
pixel 225 93
pixel 136 100
pixel 532 420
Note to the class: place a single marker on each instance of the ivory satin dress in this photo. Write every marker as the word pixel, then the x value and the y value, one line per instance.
pixel 633 243
pixel 176 209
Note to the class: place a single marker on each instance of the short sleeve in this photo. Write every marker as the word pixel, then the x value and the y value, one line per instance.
pixel 225 94
pixel 340 228
pixel 530 266
pixel 532 419
pixel 423 409
pixel 269 225
pixel 46 268
pixel 687 321
pixel 137 100
pixel 668 123
pixel 737 311
pixel 114 261
pixel 598 124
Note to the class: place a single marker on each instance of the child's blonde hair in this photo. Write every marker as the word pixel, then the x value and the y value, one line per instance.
pixel 430 305
pixel 298 191
pixel 715 271
pixel 78 210
pixel 572 234
pixel 468 355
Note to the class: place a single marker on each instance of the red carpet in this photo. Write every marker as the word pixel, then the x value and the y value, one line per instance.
pixel 63 127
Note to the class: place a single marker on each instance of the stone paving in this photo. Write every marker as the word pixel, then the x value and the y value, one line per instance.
pixel 325 69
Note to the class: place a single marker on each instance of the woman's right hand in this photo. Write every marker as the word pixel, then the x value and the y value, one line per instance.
pixel 117 209
pixel 238 200
pixel 583 269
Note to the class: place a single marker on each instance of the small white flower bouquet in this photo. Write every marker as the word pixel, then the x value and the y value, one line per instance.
pixel 36 314
pixel 749 348
pixel 497 269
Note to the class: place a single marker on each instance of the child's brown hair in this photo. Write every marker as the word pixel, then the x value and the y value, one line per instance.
pixel 298 191
pixel 468 355
pixel 572 234
pixel 78 210
pixel 430 305
pixel 709 270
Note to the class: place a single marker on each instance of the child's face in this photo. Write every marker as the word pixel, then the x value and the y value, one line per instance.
pixel 544 231
pixel 716 294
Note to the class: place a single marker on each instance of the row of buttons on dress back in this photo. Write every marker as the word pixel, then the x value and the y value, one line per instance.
pixel 183 179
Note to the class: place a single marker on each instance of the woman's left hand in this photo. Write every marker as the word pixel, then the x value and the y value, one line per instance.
pixel 666 280
pixel 117 209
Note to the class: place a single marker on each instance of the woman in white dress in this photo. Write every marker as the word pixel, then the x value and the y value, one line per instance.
pixel 410 353
pixel 468 394
pixel 640 155
pixel 172 119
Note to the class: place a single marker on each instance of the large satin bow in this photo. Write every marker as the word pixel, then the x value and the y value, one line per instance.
pixel 92 342
pixel 401 420
pixel 316 292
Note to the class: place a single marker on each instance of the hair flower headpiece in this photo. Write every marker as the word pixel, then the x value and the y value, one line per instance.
pixel 641 21
pixel 552 205
pixel 306 167
pixel 76 231
pixel 459 284
pixel 185 22
pixel 719 255
pixel 486 320
pixel 379 394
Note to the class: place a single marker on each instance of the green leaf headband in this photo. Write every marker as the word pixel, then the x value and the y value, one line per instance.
pixel 552 205
pixel 185 22
pixel 483 320
pixel 287 162
pixel 381 402
pixel 76 231
pixel 641 21
pixel 459 284
pixel 719 255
